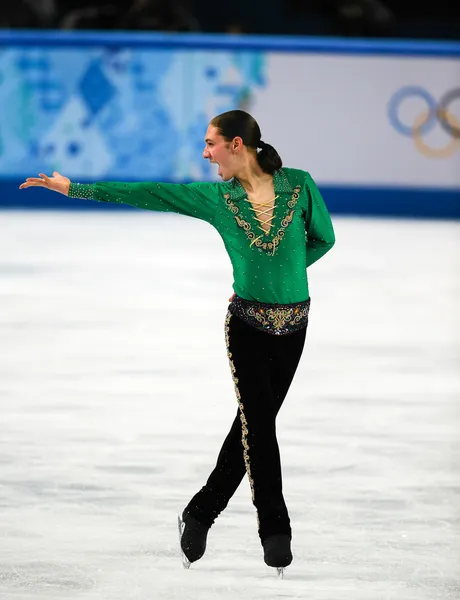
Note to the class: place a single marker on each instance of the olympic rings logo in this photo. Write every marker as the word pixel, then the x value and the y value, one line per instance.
pixel 435 113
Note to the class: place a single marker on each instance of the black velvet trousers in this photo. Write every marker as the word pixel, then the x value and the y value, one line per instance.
pixel 263 366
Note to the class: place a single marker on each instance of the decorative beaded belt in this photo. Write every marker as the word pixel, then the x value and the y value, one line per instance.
pixel 277 319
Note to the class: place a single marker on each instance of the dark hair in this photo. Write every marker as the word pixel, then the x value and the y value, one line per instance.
pixel 238 123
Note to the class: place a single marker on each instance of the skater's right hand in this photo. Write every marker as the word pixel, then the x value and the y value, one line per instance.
pixel 56 183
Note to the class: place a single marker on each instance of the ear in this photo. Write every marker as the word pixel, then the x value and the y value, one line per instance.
pixel 237 144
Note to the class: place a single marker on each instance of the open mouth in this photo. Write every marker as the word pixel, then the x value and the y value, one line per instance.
pixel 219 172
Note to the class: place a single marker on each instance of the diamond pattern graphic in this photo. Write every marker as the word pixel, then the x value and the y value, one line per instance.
pixel 96 89
pixel 115 113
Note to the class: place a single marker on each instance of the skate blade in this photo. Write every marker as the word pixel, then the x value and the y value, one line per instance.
pixel 280 572
pixel 181 526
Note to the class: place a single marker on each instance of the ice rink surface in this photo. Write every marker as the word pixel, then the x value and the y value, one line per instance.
pixel 115 396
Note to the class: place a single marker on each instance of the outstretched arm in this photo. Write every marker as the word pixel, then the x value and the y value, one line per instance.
pixel 318 226
pixel 195 199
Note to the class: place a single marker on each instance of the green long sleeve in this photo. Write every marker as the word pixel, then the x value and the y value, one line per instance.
pixel 197 200
pixel 319 229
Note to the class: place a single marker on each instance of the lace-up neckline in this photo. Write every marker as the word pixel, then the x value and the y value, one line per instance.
pixel 261 213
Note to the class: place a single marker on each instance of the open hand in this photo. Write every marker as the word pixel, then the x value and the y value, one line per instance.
pixel 56 183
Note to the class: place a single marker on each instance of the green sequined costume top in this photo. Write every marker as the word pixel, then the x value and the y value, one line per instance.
pixel 267 267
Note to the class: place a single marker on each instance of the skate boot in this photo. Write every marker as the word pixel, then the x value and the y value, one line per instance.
pixel 277 551
pixel 193 537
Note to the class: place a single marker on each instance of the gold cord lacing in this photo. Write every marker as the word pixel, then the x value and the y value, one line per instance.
pixel 261 213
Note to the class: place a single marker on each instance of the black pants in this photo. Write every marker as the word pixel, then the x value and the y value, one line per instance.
pixel 263 366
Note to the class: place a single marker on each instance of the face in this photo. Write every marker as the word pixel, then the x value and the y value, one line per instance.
pixel 219 151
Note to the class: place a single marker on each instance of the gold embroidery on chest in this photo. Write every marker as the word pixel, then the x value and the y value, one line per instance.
pixel 242 223
pixel 258 241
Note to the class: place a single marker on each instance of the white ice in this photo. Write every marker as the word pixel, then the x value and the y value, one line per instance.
pixel 115 396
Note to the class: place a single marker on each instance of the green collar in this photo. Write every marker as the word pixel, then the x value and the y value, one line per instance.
pixel 280 182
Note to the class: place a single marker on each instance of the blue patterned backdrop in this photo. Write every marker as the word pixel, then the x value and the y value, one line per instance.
pixel 117 112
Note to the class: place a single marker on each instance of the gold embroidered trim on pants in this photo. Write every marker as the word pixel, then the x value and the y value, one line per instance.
pixel 244 423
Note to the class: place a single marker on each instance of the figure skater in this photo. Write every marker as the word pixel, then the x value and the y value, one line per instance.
pixel 274 225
